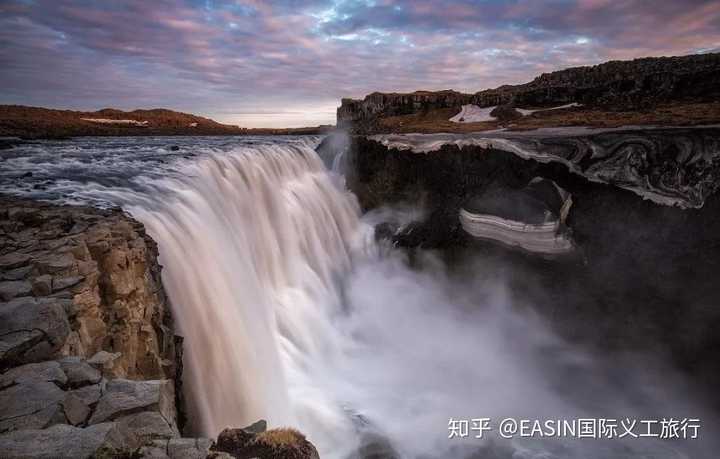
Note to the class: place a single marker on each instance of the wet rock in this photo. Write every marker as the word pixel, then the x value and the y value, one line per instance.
pixel 122 397
pixel 31 330
pixel 174 148
pixel 64 441
pixel 79 373
pixel 33 405
pixel 49 371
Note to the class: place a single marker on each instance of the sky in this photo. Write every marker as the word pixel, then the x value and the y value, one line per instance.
pixel 287 63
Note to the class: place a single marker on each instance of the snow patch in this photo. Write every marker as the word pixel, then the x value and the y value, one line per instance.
pixel 111 121
pixel 529 112
pixel 473 114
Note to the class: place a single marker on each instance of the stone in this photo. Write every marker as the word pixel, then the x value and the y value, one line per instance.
pixel 270 444
pixel 145 426
pixel 108 277
pixel 75 409
pixel 31 330
pixel 89 395
pixel 13 260
pixel 14 289
pixel 156 449
pixel 49 371
pixel 188 448
pixel 33 405
pixel 42 285
pixel 102 358
pixel 79 373
pixel 16 274
pixel 122 397
pixel 66 282
pixel 64 441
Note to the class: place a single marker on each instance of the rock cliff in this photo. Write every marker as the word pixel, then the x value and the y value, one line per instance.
pixel 617 85
pixel 641 280
pixel 89 363
pixel 76 281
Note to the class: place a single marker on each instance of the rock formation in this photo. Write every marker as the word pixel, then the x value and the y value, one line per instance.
pixel 90 366
pixel 641 280
pixel 617 85
pixel 76 281
pixel 256 441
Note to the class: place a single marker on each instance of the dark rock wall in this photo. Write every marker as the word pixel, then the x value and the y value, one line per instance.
pixel 616 85
pixel 643 279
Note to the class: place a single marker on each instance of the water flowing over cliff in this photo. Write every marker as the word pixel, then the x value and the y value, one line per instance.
pixel 291 310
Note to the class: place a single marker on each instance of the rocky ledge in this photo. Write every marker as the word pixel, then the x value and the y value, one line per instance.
pixel 89 363
pixel 645 219
pixel 665 90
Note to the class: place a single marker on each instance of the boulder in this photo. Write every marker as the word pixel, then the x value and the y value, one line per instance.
pixel 251 442
pixel 123 397
pixel 189 448
pixel 31 330
pixel 14 289
pixel 79 373
pixel 88 394
pixel 32 405
pixel 75 409
pixel 64 441
pixel 42 285
pixel 145 426
pixel 49 371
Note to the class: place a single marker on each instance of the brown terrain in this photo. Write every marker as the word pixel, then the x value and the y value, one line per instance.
pixel 678 91
pixel 36 122
pixel 671 114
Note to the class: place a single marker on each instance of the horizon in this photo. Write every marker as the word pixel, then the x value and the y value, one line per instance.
pixel 287 64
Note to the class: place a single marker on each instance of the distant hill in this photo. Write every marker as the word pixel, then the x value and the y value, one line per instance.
pixel 37 122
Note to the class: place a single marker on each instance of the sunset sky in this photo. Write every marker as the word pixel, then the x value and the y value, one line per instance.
pixel 288 63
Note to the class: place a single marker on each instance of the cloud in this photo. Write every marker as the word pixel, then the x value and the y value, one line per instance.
pixel 219 57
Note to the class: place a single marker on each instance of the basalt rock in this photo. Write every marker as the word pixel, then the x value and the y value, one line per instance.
pixel 78 281
pixel 615 85
pixel 642 276
pixel 87 350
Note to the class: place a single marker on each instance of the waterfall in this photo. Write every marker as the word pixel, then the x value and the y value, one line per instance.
pixel 287 316
pixel 254 243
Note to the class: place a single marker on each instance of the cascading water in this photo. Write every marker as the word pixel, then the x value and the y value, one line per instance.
pixel 254 244
pixel 291 313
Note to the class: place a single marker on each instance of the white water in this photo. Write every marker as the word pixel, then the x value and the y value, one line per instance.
pixel 292 314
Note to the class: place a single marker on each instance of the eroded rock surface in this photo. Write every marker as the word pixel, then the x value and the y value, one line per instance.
pixel 76 281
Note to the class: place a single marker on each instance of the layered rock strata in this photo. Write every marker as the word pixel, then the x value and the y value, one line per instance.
pixel 616 85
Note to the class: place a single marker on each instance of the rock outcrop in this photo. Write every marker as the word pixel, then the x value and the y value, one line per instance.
pixel 89 363
pixel 642 278
pixel 256 441
pixel 616 85
pixel 76 281
pixel 87 347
